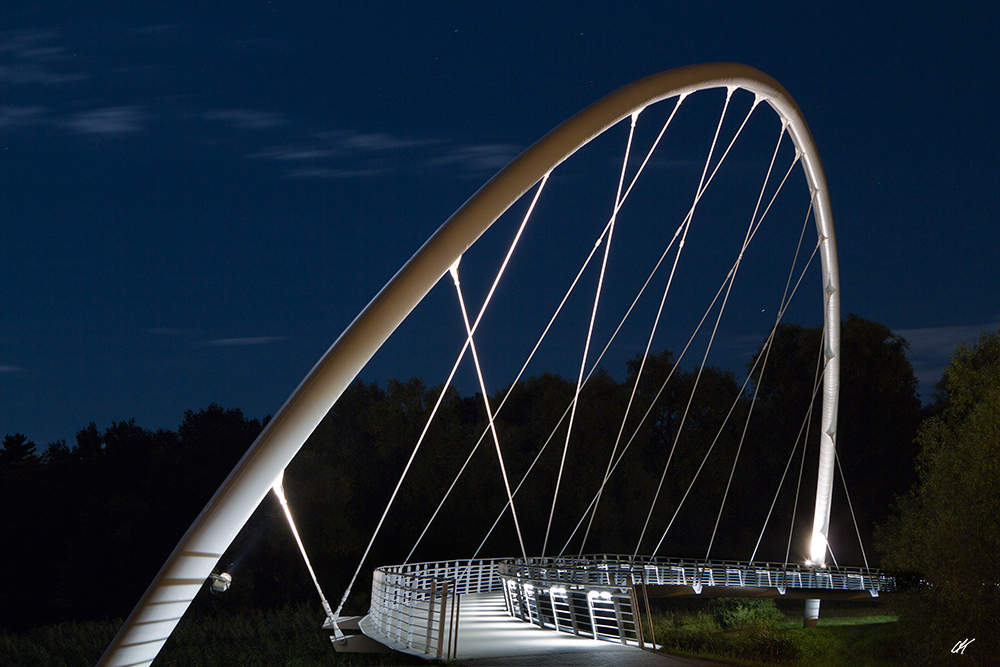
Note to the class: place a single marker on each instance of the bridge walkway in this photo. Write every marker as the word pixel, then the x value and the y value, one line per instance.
pixel 489 637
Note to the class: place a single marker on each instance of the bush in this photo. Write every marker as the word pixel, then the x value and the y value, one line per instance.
pixel 741 613
pixel 745 629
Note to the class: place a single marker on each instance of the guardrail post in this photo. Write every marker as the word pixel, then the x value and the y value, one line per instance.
pixel 430 616
pixel 453 644
pixel 444 615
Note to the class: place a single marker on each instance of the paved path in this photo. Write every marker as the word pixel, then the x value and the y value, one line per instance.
pixel 488 637
pixel 612 656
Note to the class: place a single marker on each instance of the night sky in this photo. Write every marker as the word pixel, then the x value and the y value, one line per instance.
pixel 197 198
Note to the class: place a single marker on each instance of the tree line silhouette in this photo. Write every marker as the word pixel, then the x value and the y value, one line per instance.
pixel 86 526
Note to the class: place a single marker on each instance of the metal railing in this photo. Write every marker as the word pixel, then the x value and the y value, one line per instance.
pixel 597 595
pixel 598 612
pixel 612 570
pixel 416 606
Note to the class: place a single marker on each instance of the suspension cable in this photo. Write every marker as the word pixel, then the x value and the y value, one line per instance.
pixel 805 441
pixel 847 493
pixel 780 316
pixel 758 361
pixel 752 229
pixel 440 399
pixel 590 329
pixel 279 491
pixel 642 365
pixel 784 300
pixel 687 226
pixel 486 403
pixel 538 344
pixel 479 317
pixel 799 438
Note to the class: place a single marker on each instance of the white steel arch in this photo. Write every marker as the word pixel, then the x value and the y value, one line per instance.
pixel 185 571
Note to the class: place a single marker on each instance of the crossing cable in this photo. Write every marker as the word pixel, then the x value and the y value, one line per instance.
pixel 548 327
pixel 652 333
pixel 486 403
pixel 759 361
pixel 590 330
pixel 649 344
pixel 441 396
pixel 802 436
pixel 663 386
pixel 531 355
pixel 791 456
pixel 753 400
pixel 604 351
pixel 677 234
pixel 479 317
pixel 687 226
pixel 817 375
pixel 555 429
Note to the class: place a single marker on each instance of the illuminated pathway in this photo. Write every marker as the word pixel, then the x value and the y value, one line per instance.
pixel 490 637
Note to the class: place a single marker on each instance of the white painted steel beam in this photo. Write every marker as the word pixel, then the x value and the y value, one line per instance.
pixel 167 598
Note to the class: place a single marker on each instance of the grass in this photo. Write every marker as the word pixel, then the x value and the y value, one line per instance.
pixel 755 632
pixel 288 637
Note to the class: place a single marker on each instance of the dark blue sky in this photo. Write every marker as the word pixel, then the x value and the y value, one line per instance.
pixel 197 200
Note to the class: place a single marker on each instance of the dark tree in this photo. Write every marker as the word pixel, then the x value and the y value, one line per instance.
pixel 16 448
pixel 947 530
pixel 878 416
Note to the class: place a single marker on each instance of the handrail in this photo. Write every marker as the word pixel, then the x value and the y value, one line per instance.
pixel 616 570
pixel 416 606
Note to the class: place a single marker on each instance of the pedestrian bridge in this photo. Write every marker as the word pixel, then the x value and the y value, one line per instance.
pixel 728 219
pixel 444 609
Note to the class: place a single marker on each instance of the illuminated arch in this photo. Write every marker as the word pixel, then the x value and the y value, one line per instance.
pixel 192 561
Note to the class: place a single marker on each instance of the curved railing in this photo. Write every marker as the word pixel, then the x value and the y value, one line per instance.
pixel 415 607
pixel 597 596
pixel 612 570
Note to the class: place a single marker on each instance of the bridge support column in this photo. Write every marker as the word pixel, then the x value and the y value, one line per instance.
pixel 811 619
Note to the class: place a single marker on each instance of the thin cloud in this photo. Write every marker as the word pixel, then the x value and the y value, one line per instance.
pixel 22 41
pixel 327 172
pixel 348 154
pixel 10 369
pixel 107 121
pixel 156 29
pixel 29 73
pixel 297 153
pixel 380 142
pixel 238 342
pixel 18 116
pixel 477 158
pixel 246 119
pixel 32 55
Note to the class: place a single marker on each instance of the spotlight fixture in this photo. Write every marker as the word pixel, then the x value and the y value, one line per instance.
pixel 221 582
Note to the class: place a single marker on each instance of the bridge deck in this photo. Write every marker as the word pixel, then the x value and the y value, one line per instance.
pixel 489 637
